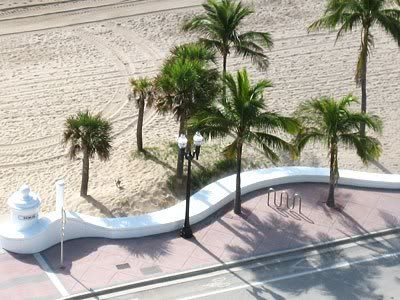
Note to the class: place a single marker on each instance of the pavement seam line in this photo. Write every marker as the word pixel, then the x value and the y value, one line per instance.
pixel 52 276
pixel 315 270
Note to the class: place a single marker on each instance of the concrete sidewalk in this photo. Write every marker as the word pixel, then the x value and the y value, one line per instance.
pixel 93 263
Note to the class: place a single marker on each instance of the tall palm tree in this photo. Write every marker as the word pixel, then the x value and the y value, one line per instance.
pixel 243 116
pixel 332 123
pixel 186 84
pixel 89 134
pixel 363 14
pixel 220 26
pixel 142 90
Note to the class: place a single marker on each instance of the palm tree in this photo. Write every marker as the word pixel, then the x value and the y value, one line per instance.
pixel 330 122
pixel 88 134
pixel 220 26
pixel 243 116
pixel 186 84
pixel 349 14
pixel 142 90
pixel 192 51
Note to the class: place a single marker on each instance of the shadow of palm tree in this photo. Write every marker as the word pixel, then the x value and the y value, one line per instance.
pixel 254 233
pixel 84 251
pixel 381 167
pixel 153 157
pixel 100 206
pixel 251 236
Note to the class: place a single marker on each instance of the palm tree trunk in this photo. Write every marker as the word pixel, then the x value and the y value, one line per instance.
pixel 238 201
pixel 182 122
pixel 333 176
pixel 139 129
pixel 85 173
pixel 179 166
pixel 224 58
pixel 363 95
pixel 363 80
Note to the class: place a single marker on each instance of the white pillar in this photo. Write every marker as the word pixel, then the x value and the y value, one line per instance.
pixel 59 195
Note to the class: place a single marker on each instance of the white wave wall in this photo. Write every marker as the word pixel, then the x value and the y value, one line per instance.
pixel 47 231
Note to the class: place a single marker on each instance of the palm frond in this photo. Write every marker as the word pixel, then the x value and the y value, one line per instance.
pixel 230 151
pixel 389 20
pixel 274 122
pixel 89 132
pixel 268 142
pixel 330 121
pixel 306 136
pixel 220 26
pixel 368 148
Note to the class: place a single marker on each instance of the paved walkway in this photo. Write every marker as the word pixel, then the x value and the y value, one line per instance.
pixel 95 262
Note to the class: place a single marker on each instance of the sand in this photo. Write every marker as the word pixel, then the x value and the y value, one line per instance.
pixel 49 74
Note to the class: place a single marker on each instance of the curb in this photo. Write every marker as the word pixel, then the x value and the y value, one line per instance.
pixel 231 264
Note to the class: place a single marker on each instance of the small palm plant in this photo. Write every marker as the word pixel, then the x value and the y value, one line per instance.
pixel 142 90
pixel 332 123
pixel 243 116
pixel 220 26
pixel 89 134
pixel 351 14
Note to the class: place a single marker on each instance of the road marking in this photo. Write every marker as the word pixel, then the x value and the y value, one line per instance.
pixel 221 282
pixel 309 263
pixel 316 270
pixel 53 278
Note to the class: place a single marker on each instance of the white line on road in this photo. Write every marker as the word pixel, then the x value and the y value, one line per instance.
pixel 316 270
pixel 53 278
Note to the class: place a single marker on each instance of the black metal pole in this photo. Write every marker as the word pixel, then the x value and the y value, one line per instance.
pixel 186 231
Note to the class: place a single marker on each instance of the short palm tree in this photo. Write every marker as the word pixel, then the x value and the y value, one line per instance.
pixel 89 134
pixel 243 116
pixel 364 14
pixel 142 90
pixel 332 123
pixel 220 26
pixel 192 51
pixel 186 84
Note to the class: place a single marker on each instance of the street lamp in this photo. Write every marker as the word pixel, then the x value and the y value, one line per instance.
pixel 186 231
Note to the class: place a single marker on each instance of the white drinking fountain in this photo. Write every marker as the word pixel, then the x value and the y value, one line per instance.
pixel 24 206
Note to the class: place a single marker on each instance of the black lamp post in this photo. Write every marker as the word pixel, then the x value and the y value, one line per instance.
pixel 186 231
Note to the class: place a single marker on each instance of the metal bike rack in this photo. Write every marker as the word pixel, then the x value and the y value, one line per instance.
pixel 271 190
pixel 286 195
pixel 280 201
pixel 298 197
pixel 288 205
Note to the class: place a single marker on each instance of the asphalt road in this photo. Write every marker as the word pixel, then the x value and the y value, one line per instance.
pixel 368 270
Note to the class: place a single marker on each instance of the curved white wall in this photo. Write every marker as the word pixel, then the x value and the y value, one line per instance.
pixel 46 232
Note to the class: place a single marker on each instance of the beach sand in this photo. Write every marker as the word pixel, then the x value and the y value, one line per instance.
pixel 49 74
